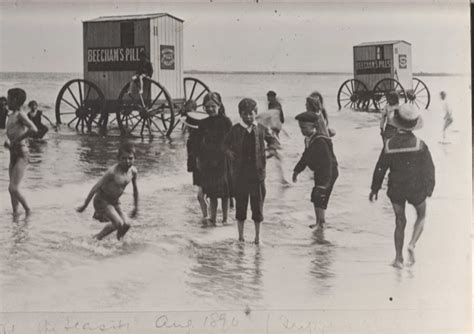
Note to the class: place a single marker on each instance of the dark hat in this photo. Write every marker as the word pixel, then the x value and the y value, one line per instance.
pixel 271 93
pixel 307 117
pixel 17 94
pixel 247 104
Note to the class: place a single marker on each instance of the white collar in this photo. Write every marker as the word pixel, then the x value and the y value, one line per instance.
pixel 250 127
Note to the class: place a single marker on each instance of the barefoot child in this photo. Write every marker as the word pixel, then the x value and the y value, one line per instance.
pixel 108 190
pixel 319 157
pixel 448 114
pixel 411 177
pixel 144 69
pixel 245 145
pixel 19 127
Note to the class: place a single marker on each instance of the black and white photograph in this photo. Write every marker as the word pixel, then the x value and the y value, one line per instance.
pixel 235 167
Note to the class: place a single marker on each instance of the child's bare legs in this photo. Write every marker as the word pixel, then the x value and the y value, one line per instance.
pixel 417 230
pixel 257 233
pixel 17 171
pixel 320 217
pixel 140 78
pixel 400 221
pixel 202 202
pixel 240 229
pixel 123 229
pixel 225 209
pixel 116 222
pixel 213 209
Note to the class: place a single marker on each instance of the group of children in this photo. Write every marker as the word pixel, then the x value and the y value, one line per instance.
pixel 228 161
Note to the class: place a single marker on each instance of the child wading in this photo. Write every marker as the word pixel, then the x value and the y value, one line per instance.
pixel 19 127
pixel 448 113
pixel 245 145
pixel 411 177
pixel 319 157
pixel 107 191
pixel 212 162
pixel 36 117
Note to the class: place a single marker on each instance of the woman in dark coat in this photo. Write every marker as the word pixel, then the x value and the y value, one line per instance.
pixel 211 160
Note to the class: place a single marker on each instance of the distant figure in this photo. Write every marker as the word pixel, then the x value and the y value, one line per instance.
pixel 448 113
pixel 19 127
pixel 245 144
pixel 3 112
pixel 411 178
pixel 274 104
pixel 145 68
pixel 315 104
pixel 107 192
pixel 388 130
pixel 36 116
pixel 192 125
pixel 320 158
pixel 212 162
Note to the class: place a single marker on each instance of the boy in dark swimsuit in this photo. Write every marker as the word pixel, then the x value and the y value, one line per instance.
pixel 107 191
pixel 19 127
pixel 36 117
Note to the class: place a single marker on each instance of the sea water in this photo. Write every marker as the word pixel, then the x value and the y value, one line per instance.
pixel 167 261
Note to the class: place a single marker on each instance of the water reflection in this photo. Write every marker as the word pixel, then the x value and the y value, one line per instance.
pixel 322 261
pixel 227 271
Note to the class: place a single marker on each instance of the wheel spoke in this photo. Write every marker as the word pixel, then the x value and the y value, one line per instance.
pixel 80 92
pixel 143 126
pixel 88 91
pixel 347 104
pixel 157 127
pixel 156 98
pixel 68 113
pixel 136 124
pixel 346 93
pixel 73 96
pixel 192 91
pixel 417 84
pixel 68 124
pixel 69 103
pixel 416 104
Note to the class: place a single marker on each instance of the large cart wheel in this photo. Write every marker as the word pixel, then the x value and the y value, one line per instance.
pixel 151 111
pixel 353 94
pixel 382 88
pixel 78 104
pixel 420 95
pixel 195 89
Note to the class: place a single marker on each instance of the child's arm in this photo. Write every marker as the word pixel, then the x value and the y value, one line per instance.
pixel 428 171
pixel 382 120
pixel 379 173
pixel 300 166
pixel 32 129
pixel 272 143
pixel 135 193
pixel 92 193
pixel 51 123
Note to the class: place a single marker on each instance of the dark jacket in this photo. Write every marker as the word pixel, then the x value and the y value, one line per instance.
pixel 320 158
pixel 410 163
pixel 234 143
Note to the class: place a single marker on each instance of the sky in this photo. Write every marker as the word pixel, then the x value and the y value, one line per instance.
pixel 40 36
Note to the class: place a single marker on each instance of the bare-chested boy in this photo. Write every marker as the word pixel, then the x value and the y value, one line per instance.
pixel 19 127
pixel 108 190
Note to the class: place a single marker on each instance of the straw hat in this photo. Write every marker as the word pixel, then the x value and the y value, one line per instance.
pixel 406 117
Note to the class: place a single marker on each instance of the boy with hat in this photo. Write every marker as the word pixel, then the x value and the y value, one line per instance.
pixel 319 157
pixel 245 145
pixel 19 127
pixel 411 177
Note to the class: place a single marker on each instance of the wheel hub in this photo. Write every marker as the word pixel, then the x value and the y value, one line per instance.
pixel 411 95
pixel 82 112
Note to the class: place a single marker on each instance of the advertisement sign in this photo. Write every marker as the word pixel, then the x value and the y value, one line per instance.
pixel 402 61
pixel 167 60
pixel 373 66
pixel 114 58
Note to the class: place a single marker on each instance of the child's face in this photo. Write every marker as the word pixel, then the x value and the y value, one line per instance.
pixel 391 100
pixel 307 129
pixel 126 160
pixel 248 117
pixel 211 108
pixel 13 104
pixel 3 104
pixel 442 95
pixel 33 107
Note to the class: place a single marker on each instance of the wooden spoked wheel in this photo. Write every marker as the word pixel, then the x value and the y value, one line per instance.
pixel 419 95
pixel 78 105
pixel 148 112
pixel 195 89
pixel 353 94
pixel 382 88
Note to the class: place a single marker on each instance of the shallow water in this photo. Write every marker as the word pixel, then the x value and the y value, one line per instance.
pixel 169 262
